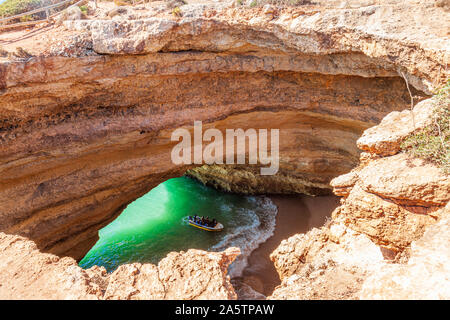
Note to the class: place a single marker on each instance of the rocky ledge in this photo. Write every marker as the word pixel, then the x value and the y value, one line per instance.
pixel 27 273
pixel 389 237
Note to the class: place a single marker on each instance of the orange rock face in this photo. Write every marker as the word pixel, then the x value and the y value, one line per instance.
pixel 26 273
pixel 85 128
pixel 425 276
pixel 393 198
pixel 84 132
pixel 326 263
pixel 389 237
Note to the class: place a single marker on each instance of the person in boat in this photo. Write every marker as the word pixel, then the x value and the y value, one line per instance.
pixel 207 222
pixel 214 223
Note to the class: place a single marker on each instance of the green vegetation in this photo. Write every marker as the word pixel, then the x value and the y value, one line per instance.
pixel 433 142
pixel 26 18
pixel 84 9
pixel 121 3
pixel 176 12
pixel 13 7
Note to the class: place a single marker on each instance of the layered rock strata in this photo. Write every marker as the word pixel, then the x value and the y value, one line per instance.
pixel 85 126
pixel 86 122
pixel 425 276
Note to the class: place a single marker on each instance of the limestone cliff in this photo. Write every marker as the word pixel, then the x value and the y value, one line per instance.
pixel 389 237
pixel 27 273
pixel 425 276
pixel 86 121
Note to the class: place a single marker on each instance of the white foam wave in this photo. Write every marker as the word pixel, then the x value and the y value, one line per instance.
pixel 225 207
pixel 249 236
pixel 185 221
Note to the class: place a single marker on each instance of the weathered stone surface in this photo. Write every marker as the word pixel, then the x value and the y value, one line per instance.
pixel 194 274
pixel 406 180
pixel 425 276
pixel 386 223
pixel 135 281
pixel 86 123
pixel 26 273
pixel 248 180
pixel 393 198
pixel 385 138
pixel 395 208
pixel 83 134
pixel 343 184
pixel 338 263
pixel 386 31
pixel 324 264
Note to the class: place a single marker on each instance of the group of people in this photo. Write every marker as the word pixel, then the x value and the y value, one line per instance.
pixel 204 221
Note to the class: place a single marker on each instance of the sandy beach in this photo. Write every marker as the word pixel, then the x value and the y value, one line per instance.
pixel 296 214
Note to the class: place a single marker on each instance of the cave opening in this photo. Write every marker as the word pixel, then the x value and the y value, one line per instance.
pixel 77 165
pixel 157 223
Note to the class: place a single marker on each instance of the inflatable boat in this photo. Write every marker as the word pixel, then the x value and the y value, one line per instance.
pixel 217 227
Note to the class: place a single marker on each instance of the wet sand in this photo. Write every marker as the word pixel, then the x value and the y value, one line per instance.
pixel 296 214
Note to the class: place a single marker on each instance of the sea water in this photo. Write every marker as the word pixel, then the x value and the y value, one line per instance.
pixel 156 224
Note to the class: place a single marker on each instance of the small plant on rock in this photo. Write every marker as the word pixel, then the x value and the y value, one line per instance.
pixel 432 142
pixel 291 3
pixel 176 12
pixel 121 3
pixel 84 10
pixel 26 18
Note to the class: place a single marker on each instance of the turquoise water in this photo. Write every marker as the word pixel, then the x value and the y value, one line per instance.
pixel 156 224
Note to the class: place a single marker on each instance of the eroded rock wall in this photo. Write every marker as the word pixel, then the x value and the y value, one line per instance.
pixel 85 128
pixel 86 125
pixel 425 276
pixel 27 273
pixel 383 241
